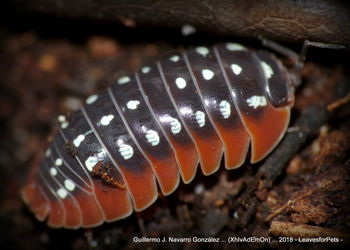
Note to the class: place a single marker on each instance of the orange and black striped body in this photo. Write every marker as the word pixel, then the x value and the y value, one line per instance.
pixel 155 126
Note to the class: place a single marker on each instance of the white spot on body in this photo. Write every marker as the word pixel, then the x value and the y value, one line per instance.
pixel 188 30
pixel 268 71
pixel 58 162
pixel 236 69
pixel 146 69
pixel 105 120
pixel 91 99
pixel 132 104
pixel 69 184
pixel 64 125
pixel 202 51
pixel 48 152
pixel 88 132
pixel 126 151
pixel 53 171
pixel 62 193
pixel 78 140
pixel 200 117
pixel 152 137
pixel 91 162
pixel 61 118
pixel 180 82
pixel 225 109
pixel 174 58
pixel 123 80
pixel 101 154
pixel 235 47
pixel 207 74
pixel 175 125
pixel 256 101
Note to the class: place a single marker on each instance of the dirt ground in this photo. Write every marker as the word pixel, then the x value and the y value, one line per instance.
pixel 46 72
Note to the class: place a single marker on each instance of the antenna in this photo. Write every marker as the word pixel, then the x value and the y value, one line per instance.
pixel 307 44
pixel 297 60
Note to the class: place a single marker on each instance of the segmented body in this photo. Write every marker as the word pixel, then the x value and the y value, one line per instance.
pixel 157 125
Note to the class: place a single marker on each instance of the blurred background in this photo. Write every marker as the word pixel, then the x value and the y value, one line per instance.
pixel 54 53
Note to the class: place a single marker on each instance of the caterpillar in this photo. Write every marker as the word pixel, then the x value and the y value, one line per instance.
pixel 151 128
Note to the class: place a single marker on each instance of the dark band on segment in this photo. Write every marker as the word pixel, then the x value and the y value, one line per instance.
pixel 164 111
pixel 181 89
pixel 278 82
pixel 248 80
pixel 217 99
pixel 131 106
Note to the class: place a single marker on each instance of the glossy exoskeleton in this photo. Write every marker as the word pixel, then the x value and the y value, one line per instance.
pixel 156 125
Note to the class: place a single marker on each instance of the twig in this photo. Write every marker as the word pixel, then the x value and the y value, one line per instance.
pixel 339 103
pixel 324 185
pixel 290 229
pixel 284 207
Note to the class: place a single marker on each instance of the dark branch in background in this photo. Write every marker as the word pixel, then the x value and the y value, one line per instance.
pixel 325 21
